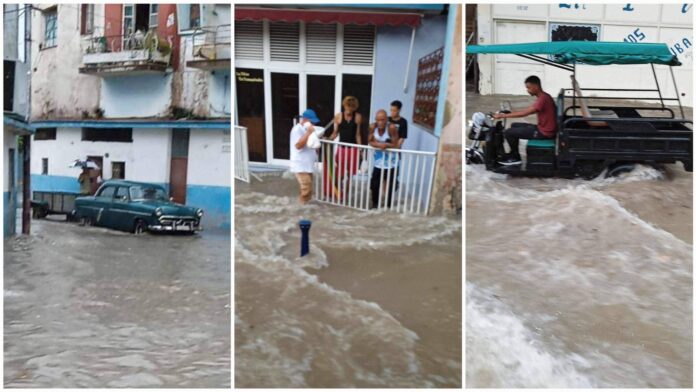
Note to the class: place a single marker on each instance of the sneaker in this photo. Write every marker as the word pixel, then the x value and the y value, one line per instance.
pixel 511 161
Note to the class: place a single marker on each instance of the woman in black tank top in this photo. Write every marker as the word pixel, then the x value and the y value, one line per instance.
pixel 347 127
pixel 347 123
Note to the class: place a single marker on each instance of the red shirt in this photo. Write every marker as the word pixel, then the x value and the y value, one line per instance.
pixel 546 114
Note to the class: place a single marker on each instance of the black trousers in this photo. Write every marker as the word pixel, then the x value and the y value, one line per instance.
pixel 519 131
pixel 387 176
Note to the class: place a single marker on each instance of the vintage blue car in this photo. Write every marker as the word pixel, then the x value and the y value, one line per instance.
pixel 136 207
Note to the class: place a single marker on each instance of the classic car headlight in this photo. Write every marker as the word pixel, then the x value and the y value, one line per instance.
pixel 158 211
pixel 199 212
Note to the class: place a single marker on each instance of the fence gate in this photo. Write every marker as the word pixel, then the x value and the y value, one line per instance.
pixel 364 177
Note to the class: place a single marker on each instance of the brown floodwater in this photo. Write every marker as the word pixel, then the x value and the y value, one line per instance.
pixel 88 307
pixel 575 283
pixel 377 302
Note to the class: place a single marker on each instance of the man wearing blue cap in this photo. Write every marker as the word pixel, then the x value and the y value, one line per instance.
pixel 302 157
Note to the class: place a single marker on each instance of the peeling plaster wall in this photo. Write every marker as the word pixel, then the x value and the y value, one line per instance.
pixel 219 95
pixel 194 82
pixel 447 187
pixel 58 89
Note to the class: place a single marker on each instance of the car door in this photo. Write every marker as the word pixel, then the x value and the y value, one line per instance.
pixel 119 213
pixel 102 203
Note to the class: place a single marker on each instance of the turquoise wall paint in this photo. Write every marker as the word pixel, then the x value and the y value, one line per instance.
pixel 215 202
pixel 48 183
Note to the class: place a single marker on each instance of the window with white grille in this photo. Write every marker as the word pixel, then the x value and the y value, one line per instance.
pixel 358 44
pixel 321 43
pixel 248 40
pixel 285 42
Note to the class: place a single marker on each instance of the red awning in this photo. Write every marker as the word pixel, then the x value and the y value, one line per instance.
pixel 342 17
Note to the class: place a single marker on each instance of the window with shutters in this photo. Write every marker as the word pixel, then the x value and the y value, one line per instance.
pixel 285 42
pixel 321 43
pixel 248 40
pixel 358 45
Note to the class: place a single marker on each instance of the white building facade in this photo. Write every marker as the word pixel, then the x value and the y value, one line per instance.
pixel 516 23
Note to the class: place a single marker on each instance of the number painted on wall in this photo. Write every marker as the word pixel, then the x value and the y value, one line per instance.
pixel 635 36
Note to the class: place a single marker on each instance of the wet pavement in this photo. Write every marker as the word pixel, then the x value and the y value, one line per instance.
pixel 92 307
pixel 376 303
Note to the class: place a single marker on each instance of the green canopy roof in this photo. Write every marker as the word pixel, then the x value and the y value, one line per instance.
pixel 587 52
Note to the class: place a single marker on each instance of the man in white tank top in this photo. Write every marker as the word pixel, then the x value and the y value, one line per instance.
pixel 383 136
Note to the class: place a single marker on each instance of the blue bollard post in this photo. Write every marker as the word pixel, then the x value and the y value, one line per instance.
pixel 304 246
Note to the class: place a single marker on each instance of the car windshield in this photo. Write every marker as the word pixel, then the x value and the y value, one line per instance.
pixel 141 192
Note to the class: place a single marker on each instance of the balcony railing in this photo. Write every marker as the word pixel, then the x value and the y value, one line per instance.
pixel 134 53
pixel 210 47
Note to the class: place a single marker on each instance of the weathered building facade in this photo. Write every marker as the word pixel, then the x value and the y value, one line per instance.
pixel 142 90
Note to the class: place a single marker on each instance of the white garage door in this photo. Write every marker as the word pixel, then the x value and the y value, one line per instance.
pixel 512 70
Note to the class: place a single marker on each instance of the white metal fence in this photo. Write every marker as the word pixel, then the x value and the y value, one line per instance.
pixel 364 177
pixel 241 154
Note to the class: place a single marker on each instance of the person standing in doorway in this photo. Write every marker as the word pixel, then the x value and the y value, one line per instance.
pixel 85 181
pixel 402 128
pixel 302 157
pixel 347 128
pixel 399 122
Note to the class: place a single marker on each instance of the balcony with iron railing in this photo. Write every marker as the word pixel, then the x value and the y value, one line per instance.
pixel 132 54
pixel 210 48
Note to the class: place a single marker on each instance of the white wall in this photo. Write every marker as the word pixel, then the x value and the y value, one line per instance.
pixel 147 157
pixel 209 160
pixel 513 23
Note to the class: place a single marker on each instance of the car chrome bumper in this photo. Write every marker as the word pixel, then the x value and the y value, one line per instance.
pixel 184 228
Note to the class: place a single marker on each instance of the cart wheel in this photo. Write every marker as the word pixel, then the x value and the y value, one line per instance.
pixel 140 227
pixel 83 221
pixel 619 169
pixel 474 156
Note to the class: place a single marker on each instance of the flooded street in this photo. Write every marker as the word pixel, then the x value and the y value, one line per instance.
pixel 377 303
pixel 91 307
pixel 575 283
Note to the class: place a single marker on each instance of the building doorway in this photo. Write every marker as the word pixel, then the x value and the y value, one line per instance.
pixel 285 104
pixel 96 175
pixel 179 165
pixel 360 86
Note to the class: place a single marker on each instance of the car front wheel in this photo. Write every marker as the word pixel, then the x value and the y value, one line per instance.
pixel 140 227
